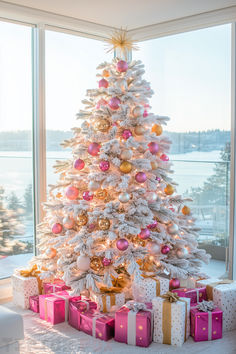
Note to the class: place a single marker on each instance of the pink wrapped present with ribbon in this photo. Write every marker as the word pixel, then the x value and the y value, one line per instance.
pixel 195 295
pixel 34 303
pixel 97 324
pixel 206 322
pixel 76 307
pixel 134 323
pixel 55 286
pixel 54 308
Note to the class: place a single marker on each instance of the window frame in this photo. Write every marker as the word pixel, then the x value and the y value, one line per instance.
pixel 42 20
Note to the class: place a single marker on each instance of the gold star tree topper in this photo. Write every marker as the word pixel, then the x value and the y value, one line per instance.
pixel 121 43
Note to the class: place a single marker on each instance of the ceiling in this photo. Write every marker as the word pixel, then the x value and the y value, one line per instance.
pixel 128 14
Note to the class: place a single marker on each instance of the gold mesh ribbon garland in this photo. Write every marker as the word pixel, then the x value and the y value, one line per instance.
pixel 33 272
pixel 170 298
pixel 210 287
pixel 111 292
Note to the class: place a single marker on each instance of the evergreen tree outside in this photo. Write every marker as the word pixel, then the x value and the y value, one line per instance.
pixel 28 205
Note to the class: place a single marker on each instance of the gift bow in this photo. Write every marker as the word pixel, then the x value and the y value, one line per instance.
pixel 171 297
pixel 120 282
pixel 206 306
pixel 33 272
pixel 136 306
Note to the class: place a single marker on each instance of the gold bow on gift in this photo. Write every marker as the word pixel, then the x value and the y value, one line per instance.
pixel 111 293
pixel 158 290
pixel 33 272
pixel 209 287
pixel 120 282
pixel 170 297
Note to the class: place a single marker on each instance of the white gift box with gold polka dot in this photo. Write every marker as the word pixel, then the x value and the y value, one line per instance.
pixel 190 282
pixel 107 302
pixel 22 289
pixel 171 321
pixel 148 288
pixel 224 297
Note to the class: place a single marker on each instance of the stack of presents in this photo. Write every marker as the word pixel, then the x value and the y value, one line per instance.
pixel 134 313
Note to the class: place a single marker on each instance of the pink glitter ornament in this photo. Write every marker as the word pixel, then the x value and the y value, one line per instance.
pixel 87 196
pixel 57 228
pixel 104 165
pixel 126 134
pixel 153 147
pixel 93 149
pixel 114 103
pixel 91 227
pixel 165 249
pixel 140 177
pixel 145 113
pixel 72 192
pixel 122 66
pixel 158 179
pixel 101 102
pixel 153 225
pixel 122 244
pixel 103 83
pixel 106 261
pixel 79 164
pixel 164 157
pixel 174 283
pixel 144 234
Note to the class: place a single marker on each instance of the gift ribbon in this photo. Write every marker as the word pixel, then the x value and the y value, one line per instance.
pixel 158 285
pixel 66 306
pixel 56 283
pixel 120 282
pixel 111 292
pixel 209 325
pixel 33 272
pixel 170 298
pixel 209 287
pixel 94 324
pixel 207 306
pixel 87 308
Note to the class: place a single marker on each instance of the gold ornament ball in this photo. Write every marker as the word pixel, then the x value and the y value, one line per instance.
pixel 51 252
pixel 102 125
pixel 125 167
pixel 139 130
pixel 126 154
pixel 186 210
pixel 96 263
pixel 101 194
pixel 157 129
pixel 105 73
pixel 104 224
pixel 154 165
pixel 169 189
pixel 82 219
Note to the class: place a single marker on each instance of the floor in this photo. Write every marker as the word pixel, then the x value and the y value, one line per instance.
pixel 43 338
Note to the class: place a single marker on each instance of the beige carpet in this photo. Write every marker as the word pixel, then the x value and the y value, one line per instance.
pixel 43 338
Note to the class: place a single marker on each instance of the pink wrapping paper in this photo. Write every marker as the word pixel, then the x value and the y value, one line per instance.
pixel 97 324
pixel 76 307
pixel 203 327
pixel 56 285
pixel 196 295
pixel 54 308
pixel 34 303
pixel 124 327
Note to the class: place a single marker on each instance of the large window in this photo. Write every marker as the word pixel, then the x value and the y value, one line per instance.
pixel 16 175
pixel 190 74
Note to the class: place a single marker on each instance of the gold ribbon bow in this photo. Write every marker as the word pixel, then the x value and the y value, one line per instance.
pixel 170 298
pixel 209 287
pixel 109 292
pixel 158 290
pixel 33 272
pixel 120 282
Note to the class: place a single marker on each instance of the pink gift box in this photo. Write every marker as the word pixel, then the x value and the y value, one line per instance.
pixel 56 285
pixel 134 328
pixel 97 324
pixel 196 295
pixel 34 303
pixel 206 325
pixel 54 308
pixel 76 307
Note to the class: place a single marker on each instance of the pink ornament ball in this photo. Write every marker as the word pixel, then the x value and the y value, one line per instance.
pixel 103 83
pixel 122 244
pixel 174 283
pixel 104 165
pixel 140 177
pixel 101 102
pixel 57 228
pixel 165 249
pixel 79 164
pixel 153 225
pixel 87 196
pixel 93 149
pixel 122 66
pixel 114 103
pixel 158 179
pixel 126 134
pixel 144 234
pixel 106 262
pixel 153 147
pixel 91 227
pixel 146 104
pixel 72 192
pixel 145 113
pixel 164 157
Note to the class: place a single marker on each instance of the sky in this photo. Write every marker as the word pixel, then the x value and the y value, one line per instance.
pixel 189 73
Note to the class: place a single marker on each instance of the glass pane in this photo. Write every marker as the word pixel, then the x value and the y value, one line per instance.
pixel 16 213
pixel 71 63
pixel 190 74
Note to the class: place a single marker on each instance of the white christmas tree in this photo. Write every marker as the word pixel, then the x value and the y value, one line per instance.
pixel 115 207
